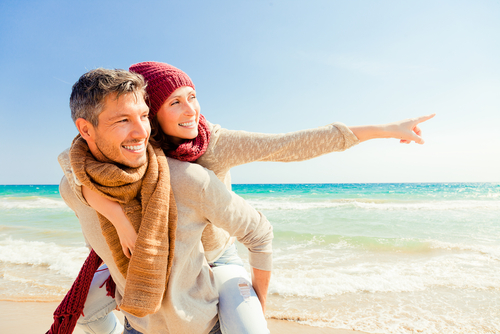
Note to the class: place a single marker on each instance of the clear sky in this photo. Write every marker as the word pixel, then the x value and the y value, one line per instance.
pixel 270 66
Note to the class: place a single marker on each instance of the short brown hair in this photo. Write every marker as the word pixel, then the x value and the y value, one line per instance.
pixel 89 92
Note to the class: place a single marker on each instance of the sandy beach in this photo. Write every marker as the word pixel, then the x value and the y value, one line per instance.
pixel 33 317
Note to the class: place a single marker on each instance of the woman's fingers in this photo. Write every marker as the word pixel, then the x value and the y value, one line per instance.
pixel 417 130
pixel 422 119
pixel 126 251
pixel 416 133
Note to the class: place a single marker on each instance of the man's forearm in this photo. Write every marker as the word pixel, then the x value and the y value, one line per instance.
pixel 260 282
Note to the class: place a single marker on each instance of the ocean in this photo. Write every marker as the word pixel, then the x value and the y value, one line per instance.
pixel 381 258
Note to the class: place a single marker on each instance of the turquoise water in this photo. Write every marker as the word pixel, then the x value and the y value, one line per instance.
pixel 386 258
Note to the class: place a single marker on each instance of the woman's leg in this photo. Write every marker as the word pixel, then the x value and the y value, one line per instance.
pixel 98 316
pixel 239 308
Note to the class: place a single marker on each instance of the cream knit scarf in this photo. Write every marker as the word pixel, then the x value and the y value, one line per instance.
pixel 148 202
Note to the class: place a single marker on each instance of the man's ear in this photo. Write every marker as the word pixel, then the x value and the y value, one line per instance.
pixel 85 128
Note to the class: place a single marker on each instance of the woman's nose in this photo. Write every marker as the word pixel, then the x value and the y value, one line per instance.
pixel 190 109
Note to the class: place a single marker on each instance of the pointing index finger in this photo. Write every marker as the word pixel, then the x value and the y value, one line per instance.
pixel 424 118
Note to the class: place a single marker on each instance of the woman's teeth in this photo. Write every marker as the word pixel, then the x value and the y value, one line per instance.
pixel 187 123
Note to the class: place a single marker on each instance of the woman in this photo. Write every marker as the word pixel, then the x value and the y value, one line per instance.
pixel 184 134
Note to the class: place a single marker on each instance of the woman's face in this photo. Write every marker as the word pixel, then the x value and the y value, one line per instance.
pixel 180 113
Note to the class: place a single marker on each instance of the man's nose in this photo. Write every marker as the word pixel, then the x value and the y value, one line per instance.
pixel 141 129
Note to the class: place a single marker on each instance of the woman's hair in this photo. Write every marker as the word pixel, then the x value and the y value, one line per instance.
pixel 160 138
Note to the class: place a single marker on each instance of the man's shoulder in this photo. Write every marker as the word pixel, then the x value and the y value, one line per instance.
pixel 189 175
pixel 71 182
pixel 65 189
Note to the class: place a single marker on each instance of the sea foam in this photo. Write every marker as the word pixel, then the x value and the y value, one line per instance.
pixel 32 202
pixel 368 204
pixel 62 260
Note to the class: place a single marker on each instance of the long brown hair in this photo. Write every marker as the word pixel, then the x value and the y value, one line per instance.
pixel 160 138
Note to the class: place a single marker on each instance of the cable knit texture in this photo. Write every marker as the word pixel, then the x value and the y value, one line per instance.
pixel 148 202
pixel 192 149
pixel 162 80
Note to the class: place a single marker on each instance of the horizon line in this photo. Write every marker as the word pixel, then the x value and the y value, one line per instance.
pixel 426 182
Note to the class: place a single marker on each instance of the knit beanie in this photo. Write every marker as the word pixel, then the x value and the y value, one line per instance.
pixel 162 80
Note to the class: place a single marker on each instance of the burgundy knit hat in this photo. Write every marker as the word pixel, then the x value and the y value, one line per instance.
pixel 162 80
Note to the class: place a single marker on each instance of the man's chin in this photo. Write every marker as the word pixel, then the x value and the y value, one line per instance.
pixel 134 163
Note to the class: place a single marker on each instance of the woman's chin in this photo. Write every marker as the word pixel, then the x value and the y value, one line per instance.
pixel 192 135
pixel 185 137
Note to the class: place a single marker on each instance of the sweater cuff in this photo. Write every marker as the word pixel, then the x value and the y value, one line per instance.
pixel 261 261
pixel 350 138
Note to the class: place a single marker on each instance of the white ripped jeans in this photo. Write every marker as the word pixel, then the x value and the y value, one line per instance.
pixel 239 308
pixel 98 316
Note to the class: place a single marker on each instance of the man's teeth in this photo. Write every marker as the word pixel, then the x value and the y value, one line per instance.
pixel 135 147
pixel 187 123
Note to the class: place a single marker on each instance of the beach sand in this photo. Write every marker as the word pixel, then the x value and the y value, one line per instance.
pixel 36 317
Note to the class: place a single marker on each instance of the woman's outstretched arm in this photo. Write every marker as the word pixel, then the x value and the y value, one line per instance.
pixel 229 148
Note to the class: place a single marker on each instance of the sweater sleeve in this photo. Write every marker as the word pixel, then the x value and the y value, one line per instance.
pixel 232 148
pixel 226 210
pixel 70 188
pixel 73 182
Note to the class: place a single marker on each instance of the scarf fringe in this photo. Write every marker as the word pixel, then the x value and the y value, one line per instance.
pixel 67 313
pixel 110 286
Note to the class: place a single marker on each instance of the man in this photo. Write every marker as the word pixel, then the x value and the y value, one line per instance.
pixel 157 291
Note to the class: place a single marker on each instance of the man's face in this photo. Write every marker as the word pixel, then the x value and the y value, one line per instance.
pixel 123 131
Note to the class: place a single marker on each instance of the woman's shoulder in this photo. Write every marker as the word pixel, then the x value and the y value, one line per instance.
pixel 209 158
pixel 215 130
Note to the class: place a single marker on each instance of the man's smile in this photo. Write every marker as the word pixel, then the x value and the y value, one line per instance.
pixel 135 148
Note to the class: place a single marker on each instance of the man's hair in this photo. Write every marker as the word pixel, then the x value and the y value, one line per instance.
pixel 89 92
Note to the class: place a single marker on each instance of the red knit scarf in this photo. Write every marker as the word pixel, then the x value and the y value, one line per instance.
pixel 71 307
pixel 192 149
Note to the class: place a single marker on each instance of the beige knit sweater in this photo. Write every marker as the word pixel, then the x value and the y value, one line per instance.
pixel 228 148
pixel 190 303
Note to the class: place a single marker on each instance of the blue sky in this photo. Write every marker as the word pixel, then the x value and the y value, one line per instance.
pixel 270 66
